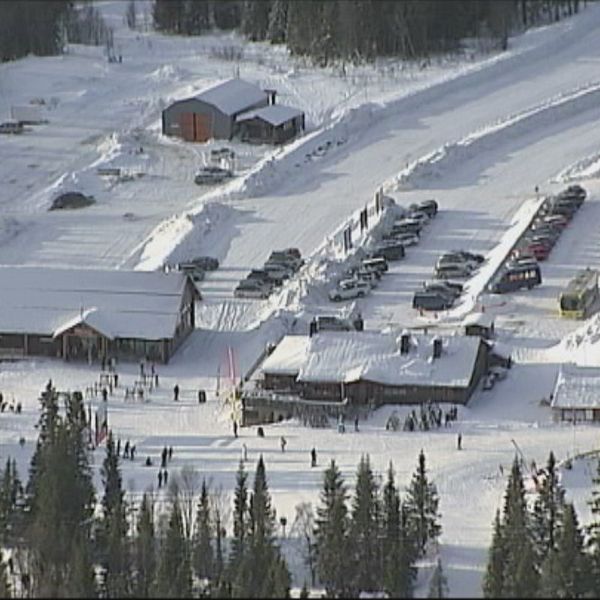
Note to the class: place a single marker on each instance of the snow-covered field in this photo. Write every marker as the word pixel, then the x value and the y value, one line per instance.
pixel 478 134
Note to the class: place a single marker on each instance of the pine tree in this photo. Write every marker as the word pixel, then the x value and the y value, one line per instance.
pixel 398 571
pixel 174 578
pixel 276 31
pixel 262 573
pixel 364 529
pixel 82 581
pixel 422 506
pixel 332 533
pixel 145 551
pixel 547 512
pixel 255 19
pixel 11 497
pixel 203 555
pixel 520 574
pixel 438 586
pixel 594 532
pixel 565 573
pixel 116 560
pixel 494 575
pixel 5 591
pixel 240 518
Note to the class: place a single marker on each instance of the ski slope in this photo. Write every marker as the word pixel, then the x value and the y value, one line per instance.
pixel 478 134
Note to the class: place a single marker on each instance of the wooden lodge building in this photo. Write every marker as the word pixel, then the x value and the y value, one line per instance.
pixel 87 314
pixel 340 370
pixel 576 395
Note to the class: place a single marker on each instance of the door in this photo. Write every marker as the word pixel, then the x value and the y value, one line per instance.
pixel 186 124
pixel 202 128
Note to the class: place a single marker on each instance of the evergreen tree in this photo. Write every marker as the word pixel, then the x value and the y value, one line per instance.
pixel 145 551
pixel 594 532
pixel 276 30
pixel 174 578
pixel 494 574
pixel 548 509
pixel 565 573
pixel 116 560
pixel 399 573
pixel 438 586
pixel 203 555
pixel 262 572
pixel 11 498
pixel 422 506
pixel 332 533
pixel 82 581
pixel 197 17
pixel 520 577
pixel 240 518
pixel 364 529
pixel 255 19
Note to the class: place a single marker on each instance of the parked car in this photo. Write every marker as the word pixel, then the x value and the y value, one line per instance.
pixel 453 271
pixel 573 191
pixel 252 288
pixel 407 225
pixel 419 215
pixel 269 278
pixel 210 175
pixel 372 277
pixel 375 264
pixel 278 271
pixel 332 323
pixel 428 300
pixel 392 251
pixel 348 289
pixel 406 239
pixel 453 259
pixel 540 251
pixel 559 221
pixel 466 255
pixel 192 270
pixel 454 290
pixel 15 127
pixel 284 257
pixel 207 263
pixel 428 206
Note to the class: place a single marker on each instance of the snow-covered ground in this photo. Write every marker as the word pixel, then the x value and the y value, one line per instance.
pixel 478 134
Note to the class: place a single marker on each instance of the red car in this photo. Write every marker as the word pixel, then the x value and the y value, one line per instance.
pixel 540 251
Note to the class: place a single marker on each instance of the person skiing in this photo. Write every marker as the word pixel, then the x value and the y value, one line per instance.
pixel 313 458
pixel 163 461
pixel 235 429
pixel 176 392
pixel 126 450
pixel 170 453
pixel 160 478
pixel 283 443
pixel 459 441
pixel 118 446
pixel 165 476
pixel 132 452
pixel 244 452
pixel 356 423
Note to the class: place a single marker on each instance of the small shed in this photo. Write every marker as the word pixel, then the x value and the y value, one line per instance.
pixel 480 324
pixel 212 113
pixel 576 395
pixel 274 124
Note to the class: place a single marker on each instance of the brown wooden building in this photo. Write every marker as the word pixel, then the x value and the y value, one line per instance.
pixel 87 314
pixel 365 369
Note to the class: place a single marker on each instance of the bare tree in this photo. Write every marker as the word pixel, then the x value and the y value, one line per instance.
pixel 304 528
pixel 220 504
pixel 187 483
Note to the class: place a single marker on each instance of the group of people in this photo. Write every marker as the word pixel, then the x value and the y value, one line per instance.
pixel 13 406
pixel 431 415
pixel 128 449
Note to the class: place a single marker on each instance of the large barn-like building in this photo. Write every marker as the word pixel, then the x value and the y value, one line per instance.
pixel 364 369
pixel 224 111
pixel 79 314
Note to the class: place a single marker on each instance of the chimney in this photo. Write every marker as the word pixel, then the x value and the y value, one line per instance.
pixel 405 342
pixel 437 347
pixel 271 94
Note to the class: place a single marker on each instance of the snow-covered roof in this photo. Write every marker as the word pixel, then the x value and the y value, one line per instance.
pixel 577 387
pixel 478 318
pixel 124 304
pixel 288 357
pixel 232 96
pixel 374 356
pixel 275 114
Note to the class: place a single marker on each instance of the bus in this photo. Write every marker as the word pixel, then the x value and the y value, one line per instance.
pixel 580 295
pixel 515 277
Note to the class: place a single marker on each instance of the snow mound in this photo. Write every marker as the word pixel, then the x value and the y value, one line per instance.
pixel 581 347
pixel 168 73
pixel 588 168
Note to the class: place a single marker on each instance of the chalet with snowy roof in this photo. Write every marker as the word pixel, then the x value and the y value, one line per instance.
pixel 85 314
pixel 364 369
pixel 576 395
pixel 233 107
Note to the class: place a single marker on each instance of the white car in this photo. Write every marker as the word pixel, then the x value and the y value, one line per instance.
pixel 406 239
pixel 348 289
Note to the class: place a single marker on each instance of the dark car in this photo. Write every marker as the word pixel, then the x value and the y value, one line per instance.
pixel 207 263
pixel 428 206
pixel 389 252
pixel 454 290
pixel 208 175
pixel 432 301
pixel 574 191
